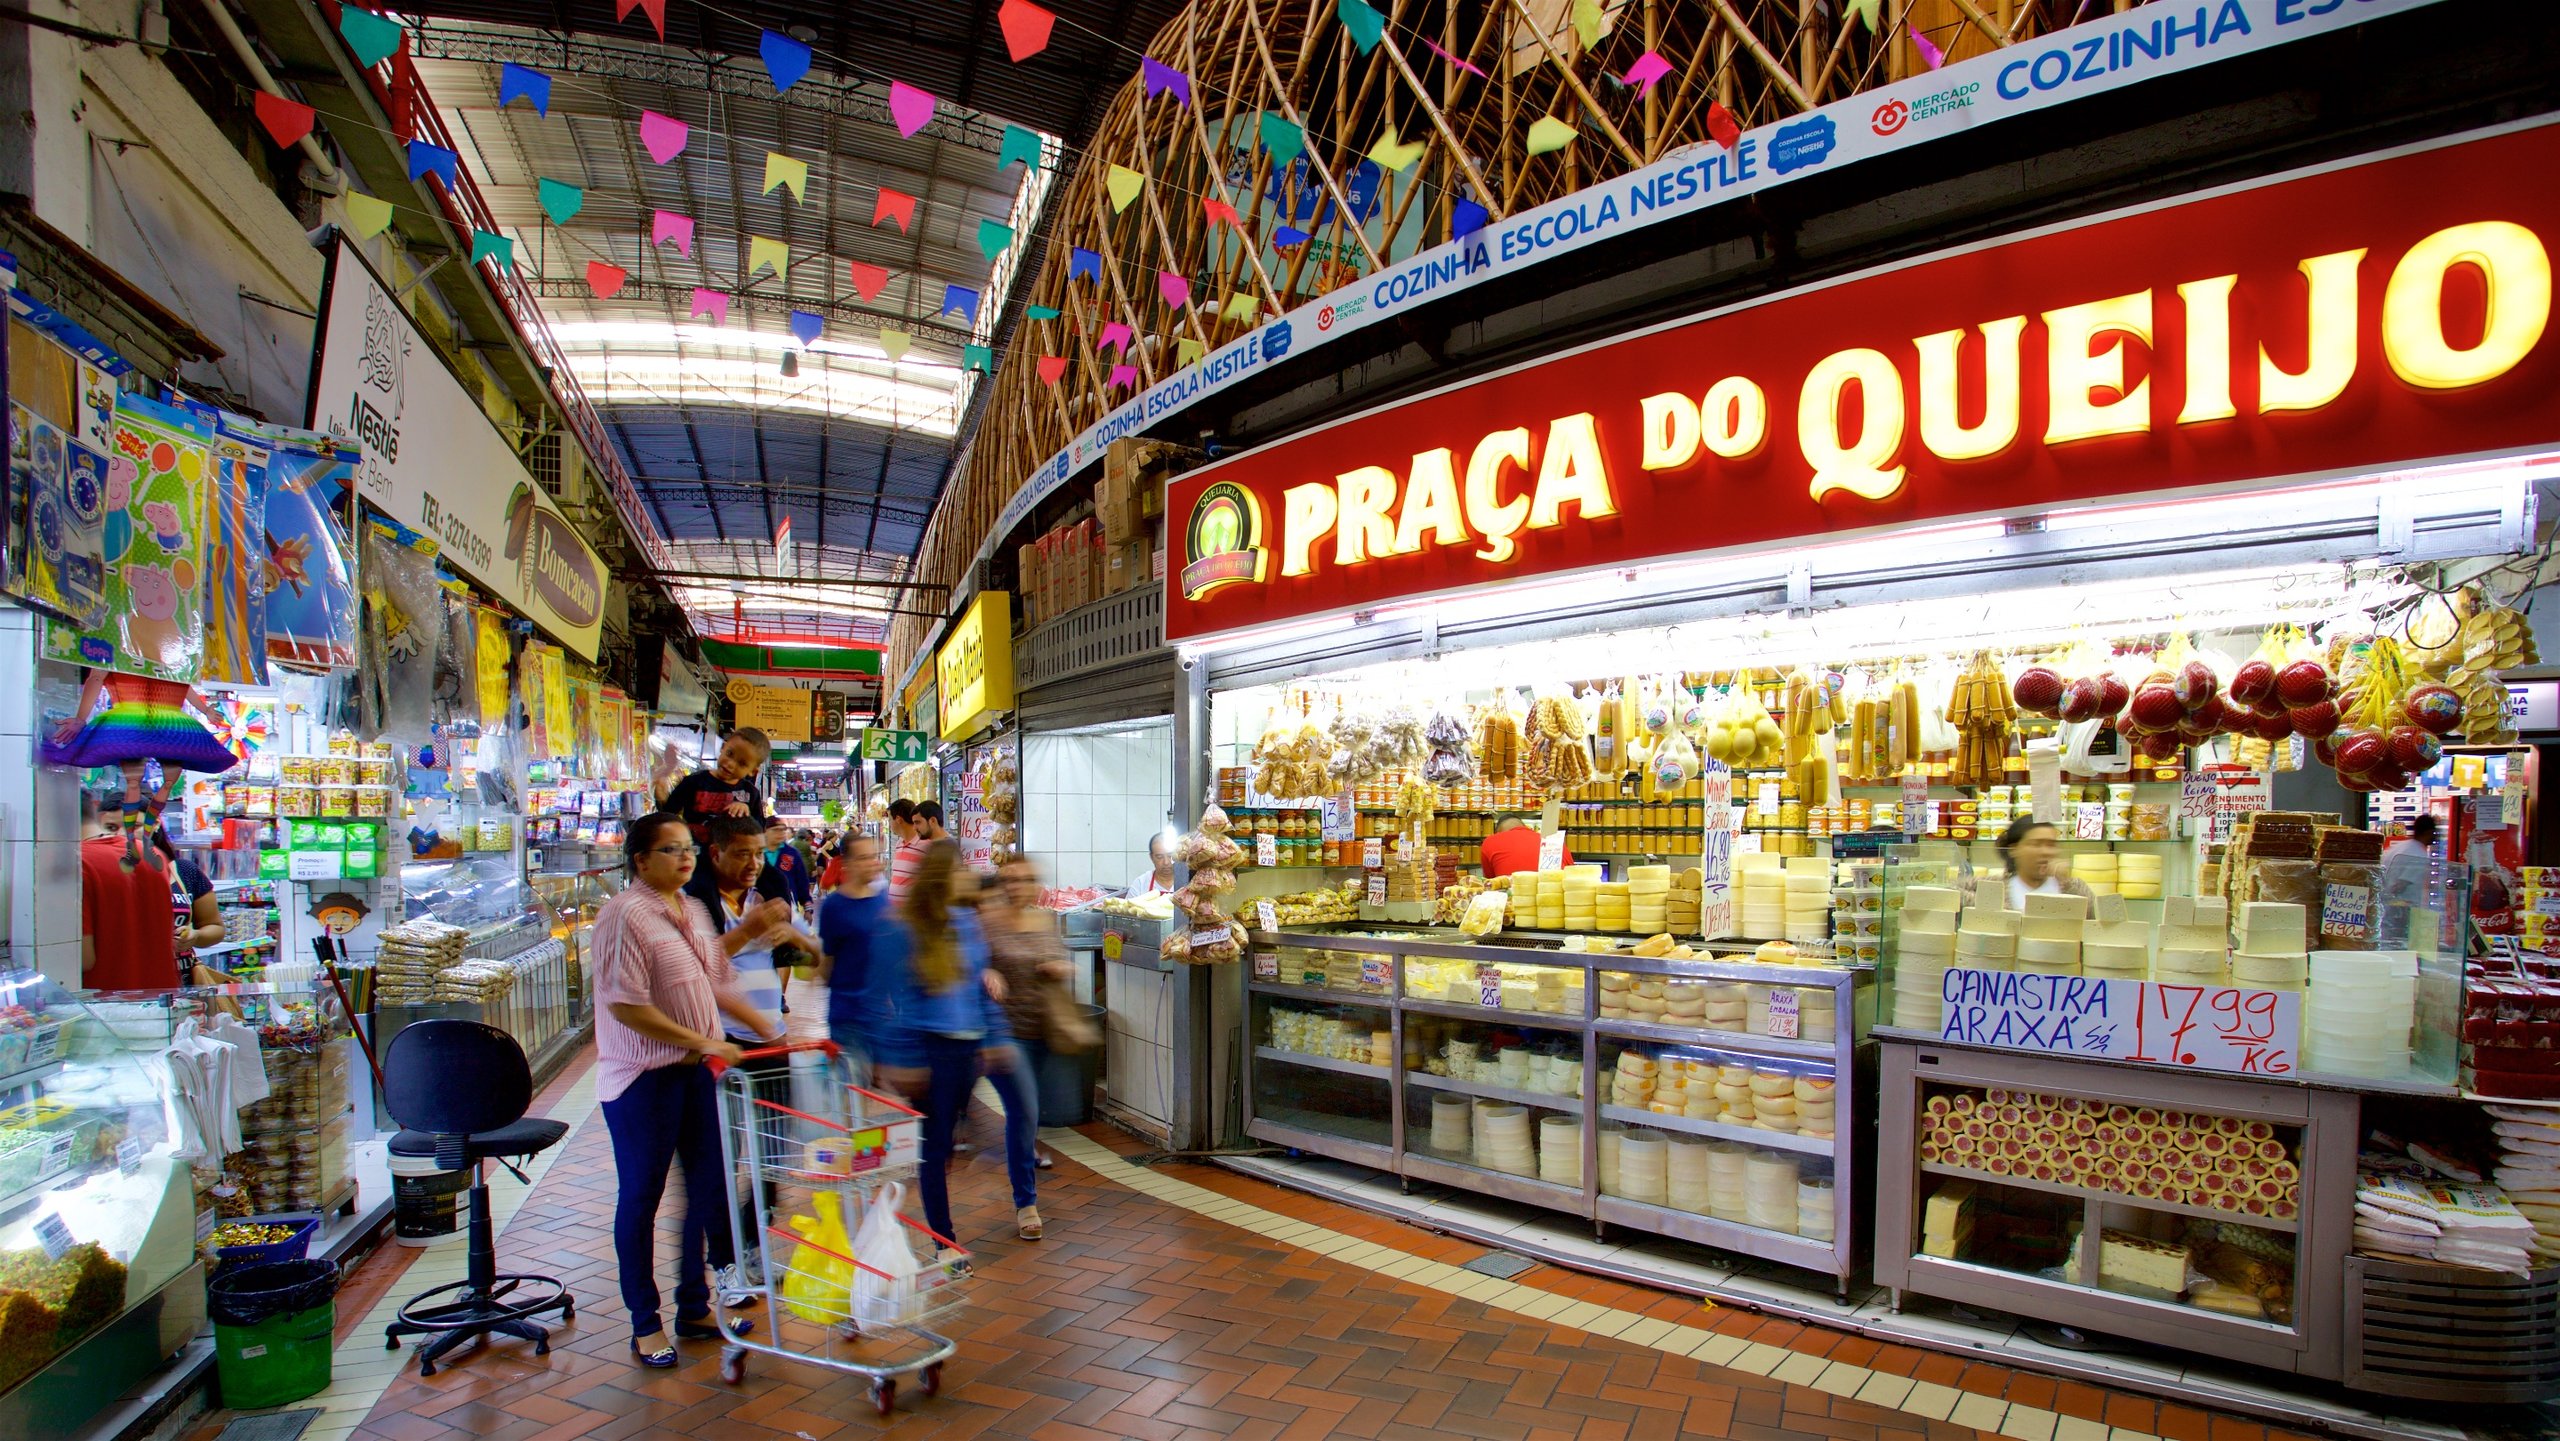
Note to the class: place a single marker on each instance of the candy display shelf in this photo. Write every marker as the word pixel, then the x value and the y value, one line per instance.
pixel 1561 1071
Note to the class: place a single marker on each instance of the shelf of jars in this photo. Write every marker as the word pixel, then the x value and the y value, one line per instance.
pixel 1700 1098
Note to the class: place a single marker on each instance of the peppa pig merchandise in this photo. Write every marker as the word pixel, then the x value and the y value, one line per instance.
pixel 158 500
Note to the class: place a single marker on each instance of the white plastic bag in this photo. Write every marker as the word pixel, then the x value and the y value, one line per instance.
pixel 884 1289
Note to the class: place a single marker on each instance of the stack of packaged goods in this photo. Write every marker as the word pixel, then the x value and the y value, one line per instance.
pixel 1649 899
pixel 2272 954
pixel 1688 1178
pixel 294 1143
pixel 1815 1208
pixel 2048 934
pixel 1644 1167
pixel 2402 1211
pixel 1769 1183
pixel 2529 1169
pixel 1924 947
pixel 410 958
pixel 1451 1117
pixel 2194 943
pixel 2359 1013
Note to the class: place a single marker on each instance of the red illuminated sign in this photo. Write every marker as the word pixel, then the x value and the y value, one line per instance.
pixel 2334 323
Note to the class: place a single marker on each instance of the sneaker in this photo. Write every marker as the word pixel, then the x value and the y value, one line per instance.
pixel 1026 1223
pixel 741 1284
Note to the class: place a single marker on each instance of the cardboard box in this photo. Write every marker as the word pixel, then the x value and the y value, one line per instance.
pixel 1115 506
pixel 1131 566
pixel 1026 581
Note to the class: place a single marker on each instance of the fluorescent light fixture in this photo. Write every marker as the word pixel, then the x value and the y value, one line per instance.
pixel 742 379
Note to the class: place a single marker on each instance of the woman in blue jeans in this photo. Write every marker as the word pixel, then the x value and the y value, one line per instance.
pixel 940 1024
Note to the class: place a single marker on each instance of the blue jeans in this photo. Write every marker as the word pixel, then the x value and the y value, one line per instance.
pixel 951 1073
pixel 669 1115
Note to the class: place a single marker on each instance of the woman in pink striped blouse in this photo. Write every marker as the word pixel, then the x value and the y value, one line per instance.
pixel 662 979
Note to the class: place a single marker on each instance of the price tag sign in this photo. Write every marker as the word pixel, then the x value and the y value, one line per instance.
pixel 1264 917
pixel 2089 821
pixel 1784 1016
pixel 315 865
pixel 54 1236
pixel 1376 971
pixel 1915 804
pixel 1747 843
pixel 1489 985
pixel 1266 965
pixel 1266 849
pixel 1377 888
pixel 1337 816
pixel 1765 799
pixel 128 1156
pixel 1373 854
pixel 1551 850
pixel 2195 794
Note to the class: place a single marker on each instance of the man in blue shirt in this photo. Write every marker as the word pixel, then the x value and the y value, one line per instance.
pixel 847 917
pixel 788 863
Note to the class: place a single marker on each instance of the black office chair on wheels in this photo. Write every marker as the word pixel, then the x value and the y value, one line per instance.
pixel 460 1090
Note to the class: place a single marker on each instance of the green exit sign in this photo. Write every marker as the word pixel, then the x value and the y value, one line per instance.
pixel 880 745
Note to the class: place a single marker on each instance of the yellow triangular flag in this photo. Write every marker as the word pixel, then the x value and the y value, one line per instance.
pixel 1586 22
pixel 1547 133
pixel 895 342
pixel 1393 154
pixel 366 215
pixel 1241 306
pixel 1187 350
pixel 781 169
pixel 1125 184
pixel 762 251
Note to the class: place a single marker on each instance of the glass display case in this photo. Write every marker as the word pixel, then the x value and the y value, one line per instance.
pixel 1700 1098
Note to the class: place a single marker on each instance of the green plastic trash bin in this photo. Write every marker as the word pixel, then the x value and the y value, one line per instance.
pixel 272 1329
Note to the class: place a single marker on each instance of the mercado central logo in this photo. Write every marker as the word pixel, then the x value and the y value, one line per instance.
pixel 1224 540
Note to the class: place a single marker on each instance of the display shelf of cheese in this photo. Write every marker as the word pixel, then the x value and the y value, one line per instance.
pixel 1495 1091
pixel 1718 1130
pixel 1321 1063
pixel 1286 991
pixel 1454 1011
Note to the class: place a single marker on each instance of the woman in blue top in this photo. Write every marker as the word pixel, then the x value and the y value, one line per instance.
pixel 939 1024
pixel 848 917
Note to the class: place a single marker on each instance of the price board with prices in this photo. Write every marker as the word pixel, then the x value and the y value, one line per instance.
pixel 2197 1028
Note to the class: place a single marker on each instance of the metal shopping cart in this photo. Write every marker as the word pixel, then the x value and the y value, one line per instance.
pixel 814 1152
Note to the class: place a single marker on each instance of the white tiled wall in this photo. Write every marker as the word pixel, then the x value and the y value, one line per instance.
pixel 39 809
pixel 1089 802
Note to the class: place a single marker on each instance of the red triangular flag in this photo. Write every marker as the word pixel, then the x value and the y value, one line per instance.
pixel 1220 212
pixel 1052 367
pixel 894 205
pixel 1721 126
pixel 605 280
pixel 867 279
pixel 1026 28
pixel 286 120
pixel 656 10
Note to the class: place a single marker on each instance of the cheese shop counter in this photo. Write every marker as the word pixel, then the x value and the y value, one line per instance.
pixel 1706 1092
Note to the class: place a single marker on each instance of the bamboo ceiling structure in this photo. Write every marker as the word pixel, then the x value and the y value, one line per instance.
pixel 1762 61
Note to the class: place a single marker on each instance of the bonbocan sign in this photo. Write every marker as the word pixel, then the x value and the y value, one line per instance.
pixel 434 462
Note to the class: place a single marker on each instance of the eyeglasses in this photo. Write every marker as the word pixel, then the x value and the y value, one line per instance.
pixel 668 851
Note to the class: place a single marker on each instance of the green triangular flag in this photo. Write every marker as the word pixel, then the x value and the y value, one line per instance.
pixel 560 200
pixel 485 246
pixel 981 358
pixel 993 237
pixel 1041 312
pixel 1285 138
pixel 1019 144
pixel 370 36
pixel 1363 21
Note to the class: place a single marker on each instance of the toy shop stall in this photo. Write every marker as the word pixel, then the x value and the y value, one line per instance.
pixel 1897 710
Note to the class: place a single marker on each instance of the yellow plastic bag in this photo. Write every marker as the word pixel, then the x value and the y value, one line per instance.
pixel 819 1284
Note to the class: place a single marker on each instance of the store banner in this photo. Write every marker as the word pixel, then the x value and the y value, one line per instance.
pixel 2325 324
pixel 308 573
pixel 434 462
pixel 235 594
pixel 782 712
pixel 490 653
pixel 2195 1028
pixel 974 668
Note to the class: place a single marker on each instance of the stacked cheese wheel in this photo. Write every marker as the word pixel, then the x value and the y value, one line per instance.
pixel 1925 945
pixel 1759 888
pixel 2274 952
pixel 1611 906
pixel 2138 875
pixel 1648 899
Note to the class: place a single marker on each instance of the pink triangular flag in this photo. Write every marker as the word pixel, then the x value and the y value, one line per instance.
pixel 713 303
pixel 1454 60
pixel 1123 375
pixel 867 279
pixel 1220 212
pixel 605 280
pixel 1052 368
pixel 910 107
pixel 663 134
pixel 666 225
pixel 1117 336
pixel 1647 72
pixel 1172 287
pixel 1930 55
pixel 894 205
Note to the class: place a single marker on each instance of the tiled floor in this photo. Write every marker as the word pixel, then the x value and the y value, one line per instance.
pixel 1187 1301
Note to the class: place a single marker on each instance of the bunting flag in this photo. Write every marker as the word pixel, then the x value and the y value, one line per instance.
pixel 993 238
pixel 1175 290
pixel 1721 127
pixel 764 250
pixel 1040 312
pixel 911 108
pixel 960 298
pixel 1363 22
pixel 1867 10
pixel 1187 351
pixel 1466 218
pixel 1019 144
pixel 656 10
pixel 1219 212
pixel 1647 72
pixel 605 280
pixel 1124 185
pixel 370 36
pixel 1547 134
pixel 807 326
pixel 868 279
pixel 980 358
pixel 1288 237
pixel 664 135
pixel 894 343
pixel 560 200
pixel 366 215
pixel 1393 153
pixel 712 303
pixel 1241 306
pixel 1160 78
pixel 1468 66
pixel 785 59
pixel 1587 22
pixel 1083 264
pixel 485 246
pixel 666 225
pixel 895 205
pixel 522 82
pixel 1123 376
pixel 287 121
pixel 1285 138
pixel 1026 28
pixel 1115 337
pixel 1052 368
pixel 790 173
pixel 1930 55
pixel 426 159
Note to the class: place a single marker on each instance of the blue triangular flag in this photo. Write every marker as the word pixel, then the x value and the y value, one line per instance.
pixel 979 358
pixel 518 81
pixel 1083 264
pixel 960 298
pixel 808 325
pixel 785 59
pixel 1287 236
pixel 1466 218
pixel 425 159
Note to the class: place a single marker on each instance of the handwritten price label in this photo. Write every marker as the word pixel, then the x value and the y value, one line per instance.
pixel 2201 1028
pixel 1785 1015
pixel 1489 985
pixel 1377 888
pixel 1266 965
pixel 1266 849
pixel 1375 971
pixel 1264 917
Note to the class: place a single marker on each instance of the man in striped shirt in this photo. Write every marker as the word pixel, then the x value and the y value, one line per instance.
pixel 926 829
